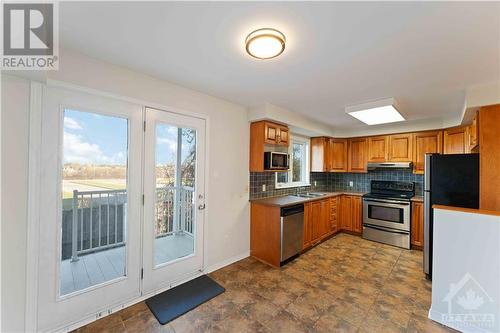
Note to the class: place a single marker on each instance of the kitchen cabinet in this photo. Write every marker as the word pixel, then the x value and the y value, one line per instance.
pixel 320 221
pixel 333 217
pixel 351 213
pixel 276 134
pixel 489 157
pixel 425 142
pixel 328 154
pixel 456 140
pixel 474 133
pixel 345 212
pixel 307 225
pixel 400 148
pixel 358 155
pixel 320 154
pixel 265 134
pixel 377 148
pixel 357 214
pixel 339 149
pixel 265 233
pixel 417 225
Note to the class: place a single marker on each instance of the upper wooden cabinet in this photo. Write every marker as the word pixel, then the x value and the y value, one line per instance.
pixel 264 133
pixel 456 140
pixel 339 149
pixel 474 133
pixel 328 154
pixel 276 134
pixel 378 148
pixel 358 155
pixel 425 142
pixel 400 148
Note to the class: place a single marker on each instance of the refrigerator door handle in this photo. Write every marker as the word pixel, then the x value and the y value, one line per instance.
pixel 427 240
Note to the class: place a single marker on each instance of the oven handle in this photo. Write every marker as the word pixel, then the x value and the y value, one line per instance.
pixel 385 229
pixel 402 203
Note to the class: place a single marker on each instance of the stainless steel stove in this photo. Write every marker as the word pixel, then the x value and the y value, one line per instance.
pixel 386 212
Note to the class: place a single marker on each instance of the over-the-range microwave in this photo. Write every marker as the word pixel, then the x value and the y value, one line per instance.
pixel 276 161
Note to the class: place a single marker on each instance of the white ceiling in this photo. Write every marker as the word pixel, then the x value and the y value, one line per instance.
pixel 337 54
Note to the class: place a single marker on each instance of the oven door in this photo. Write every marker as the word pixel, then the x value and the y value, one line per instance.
pixel 387 213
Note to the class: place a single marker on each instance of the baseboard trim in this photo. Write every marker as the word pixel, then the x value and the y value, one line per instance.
pixel 227 262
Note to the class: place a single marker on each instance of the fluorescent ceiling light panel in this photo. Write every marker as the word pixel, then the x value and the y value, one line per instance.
pixel 374 113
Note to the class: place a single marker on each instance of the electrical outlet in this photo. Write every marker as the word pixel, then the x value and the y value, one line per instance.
pixel 351 183
pixel 315 183
pixel 263 187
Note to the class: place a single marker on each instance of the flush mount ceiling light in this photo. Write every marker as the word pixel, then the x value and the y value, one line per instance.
pixel 265 43
pixel 379 112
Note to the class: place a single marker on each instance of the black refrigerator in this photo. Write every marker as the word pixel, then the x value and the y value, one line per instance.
pixel 451 180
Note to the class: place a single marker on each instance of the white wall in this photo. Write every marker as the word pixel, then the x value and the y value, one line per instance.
pixel 466 243
pixel 227 225
pixel 14 131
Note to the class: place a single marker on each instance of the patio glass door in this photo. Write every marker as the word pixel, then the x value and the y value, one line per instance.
pixel 174 198
pixel 90 215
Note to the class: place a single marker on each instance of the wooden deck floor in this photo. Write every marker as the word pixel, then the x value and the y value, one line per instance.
pixel 99 267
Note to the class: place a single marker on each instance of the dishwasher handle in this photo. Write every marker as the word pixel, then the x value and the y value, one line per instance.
pixel 291 210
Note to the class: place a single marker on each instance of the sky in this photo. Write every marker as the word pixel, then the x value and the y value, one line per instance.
pixel 91 138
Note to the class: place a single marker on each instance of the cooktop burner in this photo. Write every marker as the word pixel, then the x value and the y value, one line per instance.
pixel 388 189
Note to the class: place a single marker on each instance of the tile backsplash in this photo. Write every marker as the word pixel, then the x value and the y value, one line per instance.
pixel 333 182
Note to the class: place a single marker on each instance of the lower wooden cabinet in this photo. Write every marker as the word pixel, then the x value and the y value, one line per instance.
pixel 334 215
pixel 351 213
pixel 417 225
pixel 307 225
pixel 357 214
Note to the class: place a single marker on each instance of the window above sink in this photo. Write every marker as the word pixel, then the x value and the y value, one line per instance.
pixel 298 174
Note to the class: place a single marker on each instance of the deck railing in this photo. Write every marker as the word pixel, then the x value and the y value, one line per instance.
pixel 98 218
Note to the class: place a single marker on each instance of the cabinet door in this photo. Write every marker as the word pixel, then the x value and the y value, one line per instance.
pixel 400 148
pixel 356 214
pixel 358 151
pixel 456 140
pixel 325 217
pixel 474 133
pixel 339 155
pixel 283 138
pixel 346 221
pixel 319 154
pixel 425 142
pixel 271 133
pixel 316 223
pixel 377 148
pixel 417 224
pixel 307 225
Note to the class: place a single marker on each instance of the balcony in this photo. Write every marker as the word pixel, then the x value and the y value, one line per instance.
pixel 94 233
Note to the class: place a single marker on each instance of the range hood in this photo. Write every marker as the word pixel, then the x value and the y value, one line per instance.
pixel 389 165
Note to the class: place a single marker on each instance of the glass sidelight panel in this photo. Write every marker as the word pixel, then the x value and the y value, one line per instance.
pixel 175 166
pixel 94 200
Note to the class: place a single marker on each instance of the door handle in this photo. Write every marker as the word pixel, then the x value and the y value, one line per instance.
pixel 201 207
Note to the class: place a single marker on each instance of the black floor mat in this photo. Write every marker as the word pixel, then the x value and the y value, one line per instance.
pixel 175 302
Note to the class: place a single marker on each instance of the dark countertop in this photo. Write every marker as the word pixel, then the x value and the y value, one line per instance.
pixel 289 200
pixel 418 198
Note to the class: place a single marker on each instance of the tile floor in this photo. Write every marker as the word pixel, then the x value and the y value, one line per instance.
pixel 345 284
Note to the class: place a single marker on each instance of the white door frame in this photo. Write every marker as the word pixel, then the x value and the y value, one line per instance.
pixel 34 171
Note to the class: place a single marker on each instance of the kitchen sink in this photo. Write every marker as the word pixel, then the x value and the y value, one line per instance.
pixel 310 195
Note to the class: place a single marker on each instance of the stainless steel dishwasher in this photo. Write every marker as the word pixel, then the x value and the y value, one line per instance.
pixel 292 231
